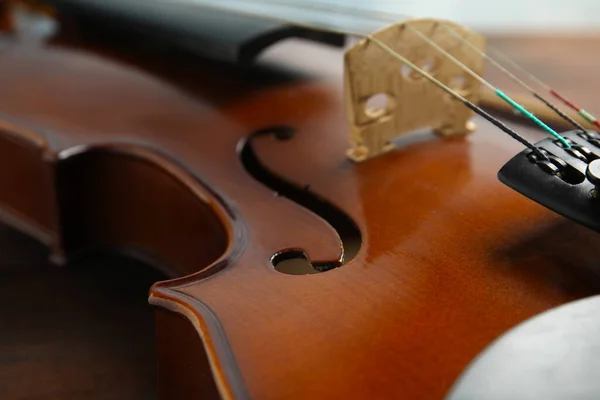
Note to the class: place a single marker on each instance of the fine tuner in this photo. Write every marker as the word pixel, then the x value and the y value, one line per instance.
pixel 592 173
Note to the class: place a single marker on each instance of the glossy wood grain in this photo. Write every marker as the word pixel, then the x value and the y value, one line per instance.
pixel 26 189
pixel 167 116
pixel 449 258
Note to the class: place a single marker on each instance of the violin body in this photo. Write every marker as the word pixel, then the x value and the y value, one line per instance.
pixel 218 176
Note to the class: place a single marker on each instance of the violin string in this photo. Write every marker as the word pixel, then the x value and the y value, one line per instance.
pixel 457 96
pixel 219 7
pixel 515 105
pixel 388 17
pixel 512 76
pixel 583 113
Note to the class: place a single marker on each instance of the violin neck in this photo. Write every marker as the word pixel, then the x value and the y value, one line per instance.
pixel 231 31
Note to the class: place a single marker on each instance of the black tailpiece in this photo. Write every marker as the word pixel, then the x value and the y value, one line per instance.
pixel 559 182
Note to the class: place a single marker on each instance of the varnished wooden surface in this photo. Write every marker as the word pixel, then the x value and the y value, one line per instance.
pixel 450 258
pixel 448 262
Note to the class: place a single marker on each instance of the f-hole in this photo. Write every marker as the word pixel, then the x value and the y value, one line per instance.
pixel 295 261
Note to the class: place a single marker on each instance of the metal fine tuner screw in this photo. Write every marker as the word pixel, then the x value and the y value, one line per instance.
pixel 592 173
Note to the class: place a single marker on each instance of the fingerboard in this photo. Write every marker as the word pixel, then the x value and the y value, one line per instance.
pixel 223 33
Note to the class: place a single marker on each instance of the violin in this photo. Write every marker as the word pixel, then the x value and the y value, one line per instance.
pixel 305 252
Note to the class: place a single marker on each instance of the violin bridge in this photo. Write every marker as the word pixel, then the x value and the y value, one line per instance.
pixel 386 99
